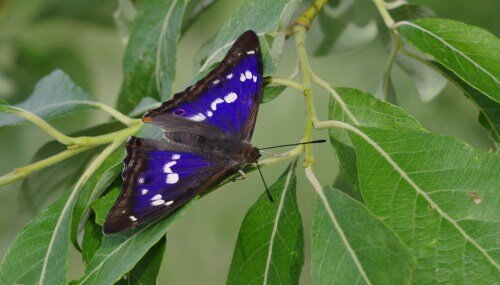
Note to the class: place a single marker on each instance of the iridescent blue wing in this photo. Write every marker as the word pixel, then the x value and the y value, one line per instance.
pixel 224 104
pixel 159 178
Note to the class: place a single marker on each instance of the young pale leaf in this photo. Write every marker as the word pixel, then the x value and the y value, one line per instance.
pixel 146 270
pixel 120 252
pixel 270 245
pixel 472 53
pixel 92 190
pixel 39 253
pixel 369 251
pixel 274 17
pixel 54 95
pixel 441 197
pixel 92 239
pixel 149 63
pixel 368 111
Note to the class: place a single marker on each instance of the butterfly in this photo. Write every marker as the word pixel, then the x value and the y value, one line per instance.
pixel 207 130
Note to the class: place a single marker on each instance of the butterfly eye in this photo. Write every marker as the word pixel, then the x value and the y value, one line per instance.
pixel 179 112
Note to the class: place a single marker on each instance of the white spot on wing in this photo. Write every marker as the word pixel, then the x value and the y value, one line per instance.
pixel 229 76
pixel 140 180
pixel 215 82
pixel 157 202
pixel 172 178
pixel 167 166
pixel 209 113
pixel 254 78
pixel 248 74
pixel 242 77
pixel 213 105
pixel 132 218
pixel 169 203
pixel 198 117
pixel 231 97
pixel 156 197
pixel 251 52
pixel 144 191
pixel 176 156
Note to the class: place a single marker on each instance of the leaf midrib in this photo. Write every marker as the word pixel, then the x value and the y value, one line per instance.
pixel 275 226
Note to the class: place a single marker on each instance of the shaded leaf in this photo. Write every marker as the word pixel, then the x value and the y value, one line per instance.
pixel 269 93
pixel 345 24
pixel 151 53
pixel 103 205
pixel 193 10
pixel 120 252
pixel 146 270
pixel 270 245
pixel 54 95
pixel 440 195
pixel 92 239
pixel 371 250
pixel 274 17
pixel 92 190
pixel 472 53
pixel 489 110
pixel 368 111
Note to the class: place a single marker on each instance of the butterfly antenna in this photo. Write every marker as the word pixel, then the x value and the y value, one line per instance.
pixel 265 185
pixel 294 144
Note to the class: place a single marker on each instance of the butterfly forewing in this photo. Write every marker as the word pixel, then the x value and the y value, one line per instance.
pixel 226 99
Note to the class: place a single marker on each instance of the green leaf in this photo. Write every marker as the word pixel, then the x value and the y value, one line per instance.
pixel 39 253
pixel 92 190
pixel 151 53
pixel 147 269
pixel 103 205
pixel 472 53
pixel 269 93
pixel 92 239
pixel 440 195
pixel 368 111
pixel 361 249
pixel 274 17
pixel 120 252
pixel 50 182
pixel 270 245
pixel 54 95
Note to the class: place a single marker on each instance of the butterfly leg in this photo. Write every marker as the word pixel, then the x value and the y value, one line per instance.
pixel 242 175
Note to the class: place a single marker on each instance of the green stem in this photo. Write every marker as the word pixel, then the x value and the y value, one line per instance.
pixel 336 96
pixel 305 69
pixel 285 82
pixel 112 111
pixel 308 16
pixel 382 9
pixel 21 172
pixel 395 45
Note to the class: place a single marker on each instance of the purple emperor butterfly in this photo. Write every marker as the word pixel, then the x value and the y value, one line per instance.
pixel 207 130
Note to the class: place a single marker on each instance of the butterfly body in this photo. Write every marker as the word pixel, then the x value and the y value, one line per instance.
pixel 207 130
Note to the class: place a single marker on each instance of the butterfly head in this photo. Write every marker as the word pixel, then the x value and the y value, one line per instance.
pixel 252 154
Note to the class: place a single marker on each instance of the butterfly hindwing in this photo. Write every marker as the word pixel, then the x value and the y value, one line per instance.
pixel 159 178
pixel 222 104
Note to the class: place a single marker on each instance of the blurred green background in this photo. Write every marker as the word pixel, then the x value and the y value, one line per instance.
pixel 80 37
